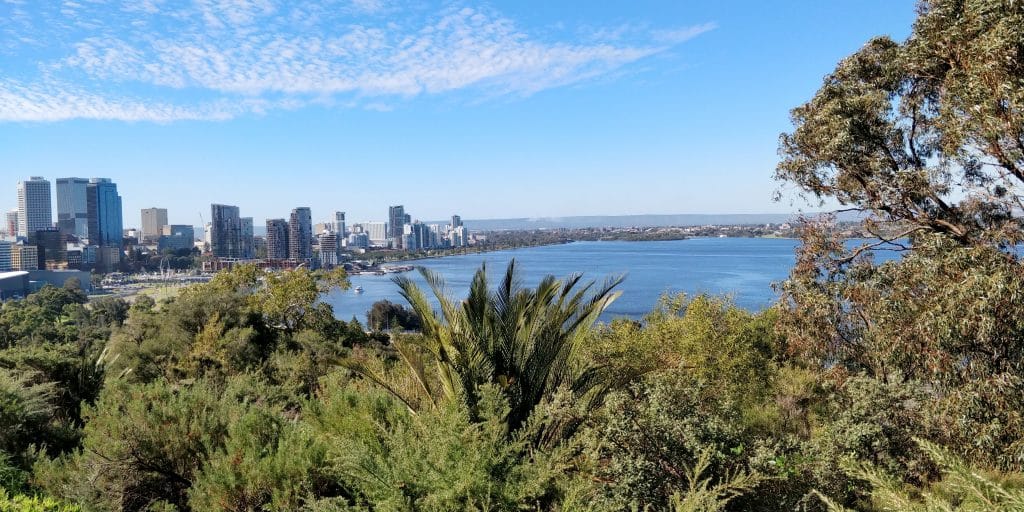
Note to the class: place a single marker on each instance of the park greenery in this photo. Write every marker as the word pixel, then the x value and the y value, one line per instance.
pixel 868 386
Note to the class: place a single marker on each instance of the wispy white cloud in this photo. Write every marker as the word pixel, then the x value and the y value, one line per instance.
pixel 60 103
pixel 680 35
pixel 174 61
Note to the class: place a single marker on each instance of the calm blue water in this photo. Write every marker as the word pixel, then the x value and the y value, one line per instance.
pixel 743 268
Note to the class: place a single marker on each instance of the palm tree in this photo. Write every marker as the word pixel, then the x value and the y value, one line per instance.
pixel 524 340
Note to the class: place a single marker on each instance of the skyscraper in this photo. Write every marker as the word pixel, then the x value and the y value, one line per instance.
pixel 73 206
pixel 456 221
pixel 106 223
pixel 277 239
pixel 153 222
pixel 225 231
pixel 51 247
pixel 35 210
pixel 339 224
pixel 300 234
pixel 177 237
pixel 5 256
pixel 12 222
pixel 396 224
pixel 246 239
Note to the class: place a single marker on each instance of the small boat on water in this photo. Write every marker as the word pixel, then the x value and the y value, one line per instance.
pixel 358 289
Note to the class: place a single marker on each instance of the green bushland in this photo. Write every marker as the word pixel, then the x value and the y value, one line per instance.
pixel 868 386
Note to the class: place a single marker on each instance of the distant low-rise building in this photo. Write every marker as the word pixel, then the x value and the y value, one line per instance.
pixel 13 284
pixel 59 278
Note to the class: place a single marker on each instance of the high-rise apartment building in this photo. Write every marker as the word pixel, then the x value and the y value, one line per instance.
pixel 153 222
pixel 417 237
pixel 396 224
pixel 277 239
pixel 458 237
pixel 73 206
pixel 300 234
pixel 339 224
pixel 247 249
pixel 330 244
pixel 225 231
pixel 35 209
pixel 106 223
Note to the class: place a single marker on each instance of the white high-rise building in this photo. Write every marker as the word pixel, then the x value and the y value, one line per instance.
pixel 35 208
pixel 377 231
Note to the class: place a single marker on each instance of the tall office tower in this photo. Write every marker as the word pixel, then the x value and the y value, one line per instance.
pixel 396 224
pixel 277 239
pixel 73 206
pixel 35 210
pixel 106 223
pixel 51 246
pixel 247 250
pixel 5 256
pixel 153 222
pixel 225 231
pixel 300 234
pixel 177 237
pixel 339 224
pixel 12 222
pixel 456 221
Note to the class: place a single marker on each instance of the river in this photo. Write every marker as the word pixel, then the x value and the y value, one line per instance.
pixel 743 268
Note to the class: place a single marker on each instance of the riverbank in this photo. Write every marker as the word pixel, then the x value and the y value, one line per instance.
pixel 382 257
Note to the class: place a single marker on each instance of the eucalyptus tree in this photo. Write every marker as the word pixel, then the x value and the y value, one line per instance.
pixel 930 131
pixel 925 137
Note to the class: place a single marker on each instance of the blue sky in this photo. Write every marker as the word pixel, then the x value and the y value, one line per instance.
pixel 489 110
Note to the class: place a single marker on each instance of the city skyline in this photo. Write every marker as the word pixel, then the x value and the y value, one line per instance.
pixel 63 204
pixel 615 109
